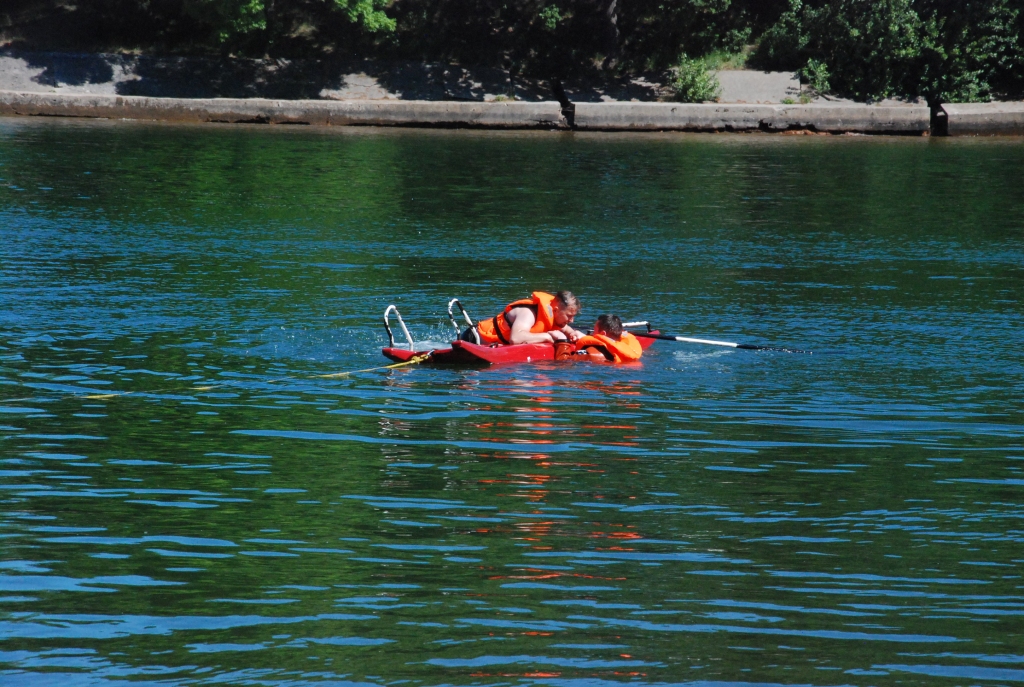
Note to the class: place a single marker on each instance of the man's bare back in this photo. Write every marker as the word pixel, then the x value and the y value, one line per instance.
pixel 523 318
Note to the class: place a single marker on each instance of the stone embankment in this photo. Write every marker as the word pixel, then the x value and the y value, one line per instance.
pixel 980 119
pixel 606 116
pixel 500 115
pixel 839 118
pixel 369 94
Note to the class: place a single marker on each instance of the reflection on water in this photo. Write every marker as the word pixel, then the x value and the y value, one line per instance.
pixel 187 500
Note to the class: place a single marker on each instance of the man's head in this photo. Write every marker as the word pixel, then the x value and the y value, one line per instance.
pixel 564 308
pixel 609 325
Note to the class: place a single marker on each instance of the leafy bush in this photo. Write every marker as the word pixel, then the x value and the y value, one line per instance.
pixel 968 49
pixel 815 74
pixel 693 83
pixel 236 23
pixel 867 44
pixel 227 19
pixel 943 50
pixel 369 13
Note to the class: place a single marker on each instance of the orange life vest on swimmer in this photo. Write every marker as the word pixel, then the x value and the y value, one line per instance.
pixel 498 330
pixel 626 349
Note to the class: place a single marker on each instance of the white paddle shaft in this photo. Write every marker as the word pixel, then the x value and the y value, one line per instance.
pixel 711 342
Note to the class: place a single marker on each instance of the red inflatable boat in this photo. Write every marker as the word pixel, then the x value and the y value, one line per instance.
pixel 468 353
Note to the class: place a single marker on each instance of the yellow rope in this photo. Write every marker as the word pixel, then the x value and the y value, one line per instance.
pixel 411 361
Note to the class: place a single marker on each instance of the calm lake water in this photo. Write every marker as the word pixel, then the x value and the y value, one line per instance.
pixel 184 501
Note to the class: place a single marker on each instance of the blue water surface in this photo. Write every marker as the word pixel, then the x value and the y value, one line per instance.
pixel 191 495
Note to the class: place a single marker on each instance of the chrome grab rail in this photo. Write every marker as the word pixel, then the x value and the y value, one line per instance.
pixel 465 315
pixel 405 330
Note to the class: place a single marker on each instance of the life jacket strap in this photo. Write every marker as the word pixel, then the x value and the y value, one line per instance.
pixel 497 328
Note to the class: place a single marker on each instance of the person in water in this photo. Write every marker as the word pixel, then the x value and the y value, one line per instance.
pixel 541 318
pixel 610 342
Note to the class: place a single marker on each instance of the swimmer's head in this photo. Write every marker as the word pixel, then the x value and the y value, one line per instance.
pixel 609 325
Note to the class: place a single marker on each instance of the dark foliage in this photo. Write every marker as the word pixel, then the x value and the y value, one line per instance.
pixel 866 49
pixel 942 50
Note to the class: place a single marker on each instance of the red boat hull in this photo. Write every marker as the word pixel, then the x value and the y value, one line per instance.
pixel 466 353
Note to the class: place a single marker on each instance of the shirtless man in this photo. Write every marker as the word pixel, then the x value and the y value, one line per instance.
pixel 543 318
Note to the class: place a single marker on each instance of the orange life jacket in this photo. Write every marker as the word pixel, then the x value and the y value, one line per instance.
pixel 624 350
pixel 498 330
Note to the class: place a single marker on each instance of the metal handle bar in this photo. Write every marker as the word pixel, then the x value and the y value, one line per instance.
pixel 465 315
pixel 405 330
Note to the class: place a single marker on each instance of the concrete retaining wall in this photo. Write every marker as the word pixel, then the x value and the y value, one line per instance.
pixel 258 110
pixel 715 117
pixel 608 116
pixel 984 119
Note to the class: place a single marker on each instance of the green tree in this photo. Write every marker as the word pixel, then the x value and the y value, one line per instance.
pixel 966 48
pixel 228 19
pixel 546 38
pixel 867 47
pixel 236 21
pixel 943 50
pixel 655 32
